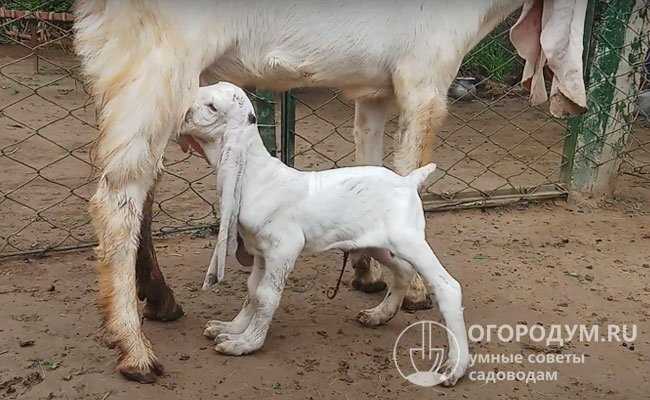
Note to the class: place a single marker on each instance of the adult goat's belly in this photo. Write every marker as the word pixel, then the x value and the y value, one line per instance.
pixel 280 71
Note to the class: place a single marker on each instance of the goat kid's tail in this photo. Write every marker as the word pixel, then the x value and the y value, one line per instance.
pixel 418 176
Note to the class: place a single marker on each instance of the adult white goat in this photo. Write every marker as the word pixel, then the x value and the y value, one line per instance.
pixel 360 210
pixel 144 59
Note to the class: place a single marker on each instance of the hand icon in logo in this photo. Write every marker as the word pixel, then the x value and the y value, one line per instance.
pixel 426 353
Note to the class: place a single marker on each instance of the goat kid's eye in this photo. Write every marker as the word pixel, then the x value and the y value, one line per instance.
pixel 212 107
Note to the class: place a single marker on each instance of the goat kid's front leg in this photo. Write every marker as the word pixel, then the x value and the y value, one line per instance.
pixel 369 123
pixel 238 325
pixel 161 304
pixel 267 300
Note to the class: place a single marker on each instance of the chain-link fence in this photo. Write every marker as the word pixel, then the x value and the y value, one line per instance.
pixel 48 123
pixel 636 159
pixel 494 147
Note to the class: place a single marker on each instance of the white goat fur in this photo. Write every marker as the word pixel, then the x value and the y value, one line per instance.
pixel 144 60
pixel 361 210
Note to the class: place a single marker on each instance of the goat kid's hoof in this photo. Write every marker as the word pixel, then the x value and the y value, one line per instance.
pixel 368 287
pixel 369 318
pixel 453 375
pixel 142 375
pixel 236 347
pixel 214 328
pixel 163 313
pixel 211 331
pixel 420 304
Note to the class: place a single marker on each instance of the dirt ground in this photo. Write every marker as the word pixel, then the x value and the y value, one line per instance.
pixel 548 263
pixel 551 263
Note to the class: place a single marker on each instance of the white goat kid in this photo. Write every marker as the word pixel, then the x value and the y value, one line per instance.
pixel 362 210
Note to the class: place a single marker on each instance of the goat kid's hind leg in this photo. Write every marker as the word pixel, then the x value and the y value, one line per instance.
pixel 214 328
pixel 449 297
pixel 403 273
pixel 422 100
pixel 369 123
pixel 278 266
pixel 161 305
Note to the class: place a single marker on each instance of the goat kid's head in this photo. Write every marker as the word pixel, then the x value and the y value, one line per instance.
pixel 221 113
pixel 221 124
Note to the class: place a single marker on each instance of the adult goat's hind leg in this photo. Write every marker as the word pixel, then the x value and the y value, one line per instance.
pixel 369 122
pixel 402 275
pixel 161 304
pixel 422 99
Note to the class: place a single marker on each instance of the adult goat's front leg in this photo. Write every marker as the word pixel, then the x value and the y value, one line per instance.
pixel 369 123
pixel 116 210
pixel 141 107
pixel 161 304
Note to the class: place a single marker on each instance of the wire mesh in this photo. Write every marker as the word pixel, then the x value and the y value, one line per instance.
pixel 494 144
pixel 48 123
pixel 636 159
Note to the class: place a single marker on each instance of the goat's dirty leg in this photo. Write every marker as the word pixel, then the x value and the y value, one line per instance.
pixel 142 87
pixel 368 275
pixel 369 122
pixel 161 305
pixel 423 108
pixel 403 274
pixel 128 155
pixel 117 209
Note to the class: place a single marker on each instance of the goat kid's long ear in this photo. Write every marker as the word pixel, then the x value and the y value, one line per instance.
pixel 230 173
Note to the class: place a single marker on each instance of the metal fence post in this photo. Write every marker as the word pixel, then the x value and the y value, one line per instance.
pixel 265 108
pixel 288 128
pixel 574 124
pixel 621 41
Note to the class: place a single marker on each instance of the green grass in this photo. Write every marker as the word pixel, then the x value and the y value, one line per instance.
pixel 492 58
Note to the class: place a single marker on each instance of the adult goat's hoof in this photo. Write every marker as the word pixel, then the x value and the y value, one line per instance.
pixel 371 318
pixel 164 312
pixel 367 276
pixel 410 304
pixel 368 287
pixel 142 375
